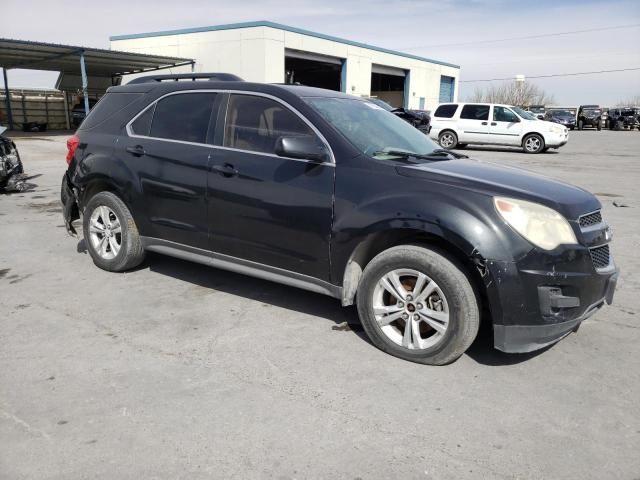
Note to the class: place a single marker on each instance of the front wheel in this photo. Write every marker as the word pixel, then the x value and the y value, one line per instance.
pixel 448 139
pixel 418 305
pixel 580 125
pixel 110 234
pixel 533 143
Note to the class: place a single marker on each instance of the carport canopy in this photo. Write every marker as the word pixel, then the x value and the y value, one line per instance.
pixel 74 60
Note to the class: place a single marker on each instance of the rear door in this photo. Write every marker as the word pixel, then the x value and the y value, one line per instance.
pixel 167 147
pixel 506 127
pixel 473 125
pixel 265 208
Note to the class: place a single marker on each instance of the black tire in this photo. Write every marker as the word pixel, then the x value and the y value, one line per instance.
pixel 599 126
pixel 448 139
pixel 464 313
pixel 618 125
pixel 533 143
pixel 580 124
pixel 131 252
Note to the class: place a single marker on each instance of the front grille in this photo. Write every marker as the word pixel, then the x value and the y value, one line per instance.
pixel 590 219
pixel 600 256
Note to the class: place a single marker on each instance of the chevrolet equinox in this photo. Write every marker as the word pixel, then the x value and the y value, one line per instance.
pixel 331 193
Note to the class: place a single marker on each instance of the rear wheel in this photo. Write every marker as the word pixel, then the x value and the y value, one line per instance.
pixel 580 124
pixel 416 304
pixel 448 139
pixel 110 234
pixel 533 143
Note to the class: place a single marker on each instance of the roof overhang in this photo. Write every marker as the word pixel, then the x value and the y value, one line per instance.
pixel 65 58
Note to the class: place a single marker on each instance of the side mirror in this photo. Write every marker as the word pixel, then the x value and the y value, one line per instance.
pixel 304 147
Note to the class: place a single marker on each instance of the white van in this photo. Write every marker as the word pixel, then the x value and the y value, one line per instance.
pixel 458 124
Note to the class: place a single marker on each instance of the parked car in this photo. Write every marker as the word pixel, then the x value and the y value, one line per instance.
pixel 537 110
pixel 328 192
pixel 566 118
pixel 78 113
pixel 460 124
pixel 418 118
pixel 10 163
pixel 590 116
pixel 621 118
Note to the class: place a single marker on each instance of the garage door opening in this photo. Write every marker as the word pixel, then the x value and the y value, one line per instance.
pixel 313 70
pixel 388 84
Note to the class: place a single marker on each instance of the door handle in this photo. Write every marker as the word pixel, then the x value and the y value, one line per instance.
pixel 136 151
pixel 227 170
pixel 484 123
pixel 494 124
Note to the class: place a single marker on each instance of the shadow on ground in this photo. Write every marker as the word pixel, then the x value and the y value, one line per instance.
pixel 308 303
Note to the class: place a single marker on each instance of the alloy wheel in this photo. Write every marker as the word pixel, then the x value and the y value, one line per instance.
pixel 446 140
pixel 105 232
pixel 532 144
pixel 411 309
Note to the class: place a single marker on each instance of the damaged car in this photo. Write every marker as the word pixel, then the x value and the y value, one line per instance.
pixel 11 169
pixel 331 193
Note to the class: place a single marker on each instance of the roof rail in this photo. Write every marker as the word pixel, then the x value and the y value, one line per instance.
pixel 220 77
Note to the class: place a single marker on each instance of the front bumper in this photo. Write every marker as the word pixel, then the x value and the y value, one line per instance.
pixel 556 140
pixel 528 338
pixel 539 300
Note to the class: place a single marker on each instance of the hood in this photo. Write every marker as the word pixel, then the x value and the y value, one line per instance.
pixel 495 180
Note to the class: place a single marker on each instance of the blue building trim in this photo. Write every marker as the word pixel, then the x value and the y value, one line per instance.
pixel 343 76
pixel 277 26
pixel 407 89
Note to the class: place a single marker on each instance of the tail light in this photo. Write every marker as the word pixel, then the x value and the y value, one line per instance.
pixel 72 146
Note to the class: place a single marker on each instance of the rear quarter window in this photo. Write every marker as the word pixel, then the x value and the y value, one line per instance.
pixel 108 105
pixel 445 111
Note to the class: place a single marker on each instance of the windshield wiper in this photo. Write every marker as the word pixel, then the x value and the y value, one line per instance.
pixel 440 151
pixel 434 155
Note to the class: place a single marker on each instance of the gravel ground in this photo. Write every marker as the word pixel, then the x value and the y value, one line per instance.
pixel 176 370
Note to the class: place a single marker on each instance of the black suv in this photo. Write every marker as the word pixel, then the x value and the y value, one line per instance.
pixel 624 117
pixel 325 191
pixel 590 116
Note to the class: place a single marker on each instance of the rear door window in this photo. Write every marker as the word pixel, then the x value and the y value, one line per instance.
pixel 445 111
pixel 183 117
pixel 475 112
pixel 255 123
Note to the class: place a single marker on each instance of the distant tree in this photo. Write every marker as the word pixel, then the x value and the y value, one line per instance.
pixel 630 102
pixel 512 93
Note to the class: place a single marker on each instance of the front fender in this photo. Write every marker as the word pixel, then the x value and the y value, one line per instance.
pixel 464 219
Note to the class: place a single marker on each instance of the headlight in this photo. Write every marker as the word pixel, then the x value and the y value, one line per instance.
pixel 542 226
pixel 556 129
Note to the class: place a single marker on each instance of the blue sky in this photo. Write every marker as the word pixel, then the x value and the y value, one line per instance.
pixel 430 28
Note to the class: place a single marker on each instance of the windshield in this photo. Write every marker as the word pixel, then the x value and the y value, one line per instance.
pixel 562 113
pixel 524 114
pixel 371 129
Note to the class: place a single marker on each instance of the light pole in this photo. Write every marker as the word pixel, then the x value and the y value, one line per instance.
pixel 520 89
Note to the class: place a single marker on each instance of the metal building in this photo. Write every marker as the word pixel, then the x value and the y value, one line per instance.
pixel 269 52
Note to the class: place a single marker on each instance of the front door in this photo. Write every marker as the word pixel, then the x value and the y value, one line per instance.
pixel 266 208
pixel 506 127
pixel 473 126
pixel 167 148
